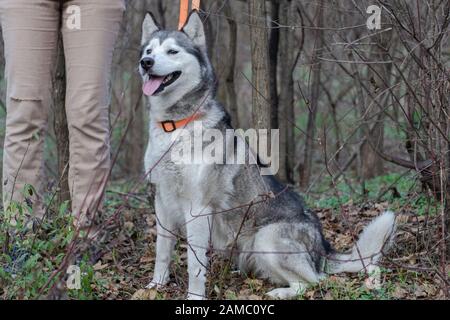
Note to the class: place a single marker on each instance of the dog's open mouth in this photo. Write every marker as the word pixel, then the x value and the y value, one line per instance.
pixel 155 84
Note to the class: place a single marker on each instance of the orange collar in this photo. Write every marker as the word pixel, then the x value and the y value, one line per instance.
pixel 170 125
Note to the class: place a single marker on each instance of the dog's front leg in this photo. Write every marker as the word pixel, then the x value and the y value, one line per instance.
pixel 165 242
pixel 198 236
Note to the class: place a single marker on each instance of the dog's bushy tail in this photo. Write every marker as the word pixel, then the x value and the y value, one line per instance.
pixel 374 240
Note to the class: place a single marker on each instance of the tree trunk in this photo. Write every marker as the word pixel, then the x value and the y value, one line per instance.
pixel 217 44
pixel 273 58
pixel 305 170
pixel 286 102
pixel 161 12
pixel 134 146
pixel 2 71
pixel 231 100
pixel 221 42
pixel 378 74
pixel 2 88
pixel 60 125
pixel 261 113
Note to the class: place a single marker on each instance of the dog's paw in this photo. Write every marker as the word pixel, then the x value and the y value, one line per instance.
pixel 373 282
pixel 154 285
pixel 282 293
pixel 192 296
pixel 151 285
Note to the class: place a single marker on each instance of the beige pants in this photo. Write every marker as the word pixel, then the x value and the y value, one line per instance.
pixel 30 32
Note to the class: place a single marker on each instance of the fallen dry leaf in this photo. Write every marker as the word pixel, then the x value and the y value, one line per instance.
pixel 144 294
pixel 254 283
pixel 399 293
pixel 99 266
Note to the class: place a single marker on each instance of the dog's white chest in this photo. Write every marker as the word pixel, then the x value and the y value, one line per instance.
pixel 163 166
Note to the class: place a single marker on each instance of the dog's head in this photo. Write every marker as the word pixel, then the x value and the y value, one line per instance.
pixel 173 62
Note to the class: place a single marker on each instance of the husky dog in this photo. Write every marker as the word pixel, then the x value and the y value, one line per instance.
pixel 229 208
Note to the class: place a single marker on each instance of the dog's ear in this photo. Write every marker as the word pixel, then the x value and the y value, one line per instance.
pixel 149 26
pixel 194 29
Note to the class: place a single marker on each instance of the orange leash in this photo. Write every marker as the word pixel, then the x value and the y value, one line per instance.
pixel 184 11
pixel 196 5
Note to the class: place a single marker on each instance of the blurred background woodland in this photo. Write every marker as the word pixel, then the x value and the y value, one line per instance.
pixel 364 115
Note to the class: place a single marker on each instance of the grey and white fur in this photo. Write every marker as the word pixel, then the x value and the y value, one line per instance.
pixel 277 237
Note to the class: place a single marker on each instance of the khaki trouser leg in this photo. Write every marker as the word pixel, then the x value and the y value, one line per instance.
pixel 30 31
pixel 88 53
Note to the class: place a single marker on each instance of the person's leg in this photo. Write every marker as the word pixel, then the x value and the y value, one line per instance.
pixel 30 31
pixel 89 52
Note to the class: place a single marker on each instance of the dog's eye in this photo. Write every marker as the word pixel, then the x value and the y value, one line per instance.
pixel 172 52
pixel 148 51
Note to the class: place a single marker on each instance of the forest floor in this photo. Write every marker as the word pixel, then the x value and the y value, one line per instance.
pixel 411 270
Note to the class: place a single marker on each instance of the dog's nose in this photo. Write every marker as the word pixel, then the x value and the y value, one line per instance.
pixel 147 63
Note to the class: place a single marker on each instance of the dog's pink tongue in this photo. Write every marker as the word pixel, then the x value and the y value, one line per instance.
pixel 152 85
